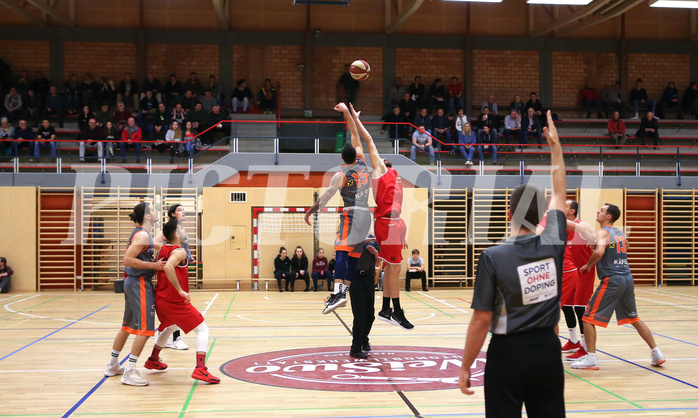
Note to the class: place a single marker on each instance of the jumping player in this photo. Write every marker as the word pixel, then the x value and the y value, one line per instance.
pixel 615 292
pixel 139 314
pixel 173 304
pixel 352 182
pixel 389 228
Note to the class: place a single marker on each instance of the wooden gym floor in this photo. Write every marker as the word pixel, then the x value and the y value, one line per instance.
pixel 54 347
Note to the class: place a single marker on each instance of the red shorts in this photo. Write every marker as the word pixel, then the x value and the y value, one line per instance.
pixel 390 234
pixel 585 288
pixel 186 317
pixel 569 284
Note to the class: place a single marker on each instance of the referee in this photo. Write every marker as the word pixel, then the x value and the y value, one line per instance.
pixel 517 297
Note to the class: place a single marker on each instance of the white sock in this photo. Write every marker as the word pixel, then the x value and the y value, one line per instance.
pixel 584 343
pixel 114 359
pixel 573 335
pixel 337 287
pixel 593 355
pixel 345 288
pixel 656 350
pixel 131 363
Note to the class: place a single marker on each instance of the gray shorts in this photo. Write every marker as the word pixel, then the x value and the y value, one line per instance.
pixel 615 293
pixel 139 311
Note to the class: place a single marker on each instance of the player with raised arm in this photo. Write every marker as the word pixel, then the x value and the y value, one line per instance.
pixel 389 228
pixel 616 291
pixel 353 184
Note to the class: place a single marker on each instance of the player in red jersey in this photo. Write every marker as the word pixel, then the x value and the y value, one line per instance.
pixel 173 304
pixel 389 228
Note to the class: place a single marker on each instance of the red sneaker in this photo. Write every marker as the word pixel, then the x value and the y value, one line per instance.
pixel 569 347
pixel 155 364
pixel 201 373
pixel 577 355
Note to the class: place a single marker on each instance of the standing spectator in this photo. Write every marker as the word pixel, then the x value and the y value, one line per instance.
pixel 13 105
pixel 33 108
pixel 486 119
pixel 670 98
pixel 282 268
pixel 649 128
pixel 121 117
pixel 349 85
pixel 442 130
pixel 614 98
pixel 492 104
pixel 321 268
pixel 415 270
pixel 72 93
pixel 518 105
pixel 109 135
pixel 416 91
pixel 394 123
pixel 215 88
pixel 437 95
pixel 588 98
pixel 105 92
pixel 173 141
pixel 616 129
pixel 408 107
pixel 190 139
pixel 241 96
pixel 40 84
pixel 91 137
pixel 5 275
pixel 148 108
pixel 467 140
pixel 215 120
pixel 153 84
pixel 266 98
pixel 207 101
pixel 84 117
pixel 194 85
pixel 638 97
pixel 24 138
pixel 536 105
pixel 104 115
pixel 395 93
pixel 187 101
pixel 531 127
pixel 173 90
pixel 128 91
pixel 198 116
pixel 88 89
pixel 690 99
pixel 487 143
pixel 421 141
pixel 422 118
pixel 455 95
pixel 131 137
pixel 7 133
pixel 299 268
pixel 55 105
pixel 512 128
pixel 47 139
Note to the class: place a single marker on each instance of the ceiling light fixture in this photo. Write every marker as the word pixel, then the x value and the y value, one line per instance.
pixel 678 4
pixel 478 1
pixel 561 2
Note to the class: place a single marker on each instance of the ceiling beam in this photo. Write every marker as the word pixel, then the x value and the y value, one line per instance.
pixel 586 11
pixel 221 6
pixel 622 8
pixel 24 12
pixel 404 14
pixel 51 12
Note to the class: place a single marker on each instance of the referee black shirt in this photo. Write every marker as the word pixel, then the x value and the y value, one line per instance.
pixel 520 281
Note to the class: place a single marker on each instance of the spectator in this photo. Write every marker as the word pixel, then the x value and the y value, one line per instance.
pixel 153 84
pixel 460 120
pixel 512 129
pixel 394 123
pixel 670 98
pixel 517 105
pixel 121 117
pixel 190 140
pixel 531 127
pixel 487 141
pixel 437 95
pixel 408 107
pixel 215 120
pixel 485 119
pixel 321 270
pixel 23 84
pixel 91 137
pixel 207 100
pixel 535 104
pixel 47 139
pixel 72 93
pixel 161 121
pixel 423 119
pixel 13 105
pixel 33 108
pixel 131 137
pixel 5 276
pixel 55 105
pixel 455 95
pixel 179 114
pixel 614 98
pixel 416 91
pixel 494 111
pixel 421 140
pixel 88 89
pixel 104 115
pixel 198 116
pixel 395 93
pixel 40 84
pixel 616 129
pixel 187 101
pixel 110 134
pixel 173 90
pixel 330 282
pixel 24 138
pixel 467 140
pixel 442 130
pixel 7 133
pixel 350 86
pixel 148 109
pixel 415 270
pixel 690 99
pixel 638 97
pixel 299 267
pixel 588 98
pixel 241 96
pixel 173 141
pixel 128 91
pixel 84 116
pixel 194 85
pixel 282 268
pixel 215 88
pixel 266 98
pixel 105 91
pixel 649 128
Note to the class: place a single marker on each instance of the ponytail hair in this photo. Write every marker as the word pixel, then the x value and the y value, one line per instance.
pixel 139 212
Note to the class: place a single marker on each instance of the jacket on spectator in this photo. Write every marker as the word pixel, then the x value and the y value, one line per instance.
pixel 214 119
pixel 487 138
pixel 488 121
pixel 149 104
pixel 636 94
pixel 153 86
pixel 537 105
pixel 194 86
pixel 519 107
pixel 96 134
pixel 408 107
pixel 396 131
pixel 440 122
pixel 610 94
pixel 134 87
pixel 25 133
pixel 534 123
pixel 134 134
pixel 616 126
pixel 396 93
pixel 55 103
pixel 282 265
pixel 121 118
pixel 651 124
pixel 423 120
pixel 587 93
pixel 298 264
pixel 170 88
pixel 320 264
pixel 670 94
pixel 461 121
pixel 689 96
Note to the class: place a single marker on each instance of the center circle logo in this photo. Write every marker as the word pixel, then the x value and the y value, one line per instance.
pixel 388 368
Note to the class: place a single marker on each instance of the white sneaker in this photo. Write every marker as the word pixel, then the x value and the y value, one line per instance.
pixel 637 116
pixel 657 358
pixel 113 370
pixel 179 344
pixel 588 362
pixel 468 163
pixel 169 344
pixel 133 378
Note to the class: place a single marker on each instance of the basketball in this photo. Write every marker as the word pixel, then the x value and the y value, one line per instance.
pixel 360 70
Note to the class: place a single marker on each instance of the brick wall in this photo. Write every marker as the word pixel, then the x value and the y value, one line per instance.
pixel 572 69
pixel 656 70
pixel 102 59
pixel 328 66
pixel 504 74
pixel 181 59
pixel 26 56
pixel 429 64
pixel 278 63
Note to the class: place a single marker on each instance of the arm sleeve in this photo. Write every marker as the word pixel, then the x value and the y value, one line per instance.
pixel 8 270
pixel 485 291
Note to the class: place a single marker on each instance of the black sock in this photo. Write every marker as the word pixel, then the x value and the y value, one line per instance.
pixel 570 318
pixel 386 304
pixel 579 310
pixel 175 335
pixel 396 304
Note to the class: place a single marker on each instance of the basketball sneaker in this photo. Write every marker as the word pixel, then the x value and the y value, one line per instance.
pixel 179 344
pixel 336 301
pixel 657 358
pixel 588 362
pixel 577 354
pixel 201 373
pixel 113 370
pixel 327 301
pixel 570 347
pixel 399 318
pixel 131 377
pixel 387 316
pixel 155 364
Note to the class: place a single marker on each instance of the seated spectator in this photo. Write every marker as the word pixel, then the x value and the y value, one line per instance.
pixel 187 101
pixel 349 86
pixel 321 269
pixel 47 139
pixel 173 141
pixel 173 91
pixel 84 116
pixel 161 122
pixel 690 99
pixel 215 88
pixel 241 96
pixel 91 137
pixel 7 133
pixel 422 118
pixel 396 92
pixel 24 138
pixel 531 126
pixel 128 91
pixel 40 84
pixel 512 129
pixel 105 92
pixel 207 101
pixel 416 91
pixel 536 105
pixel 494 111
pixel 588 98
pixel 131 137
pixel 89 89
pixel 486 119
pixel 23 84
pixel 638 97
pixel 518 105
pixel 215 120
pixel 394 123
pixel 5 276
pixel 299 268
pixel 670 98
pixel 649 128
pixel 616 129
pixel 266 98
pixel 104 115
pixel 121 117
pixel 55 105
pixel 408 107
pixel 415 270
pixel 109 134
pixel 198 116
pixel 179 114
pixel 148 108
pixel 33 108
pixel 421 141
pixel 193 85
pixel 467 140
pixel 455 96
pixel 13 105
pixel 282 268
pixel 442 130
pixel 614 99
pixel 437 95
pixel 71 88
pixel 190 140
pixel 487 143
pixel 153 85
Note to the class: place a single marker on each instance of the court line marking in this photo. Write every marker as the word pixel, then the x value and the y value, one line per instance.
pixel 17 301
pixel 229 306
pixel 210 304
pixel 29 307
pixel 665 292
pixel 668 303
pixel 90 392
pixel 432 307
pixel 431 315
pixel 50 334
pixel 288 301
pixel 439 300
pixel 603 389
pixel 11 297
pixel 196 382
